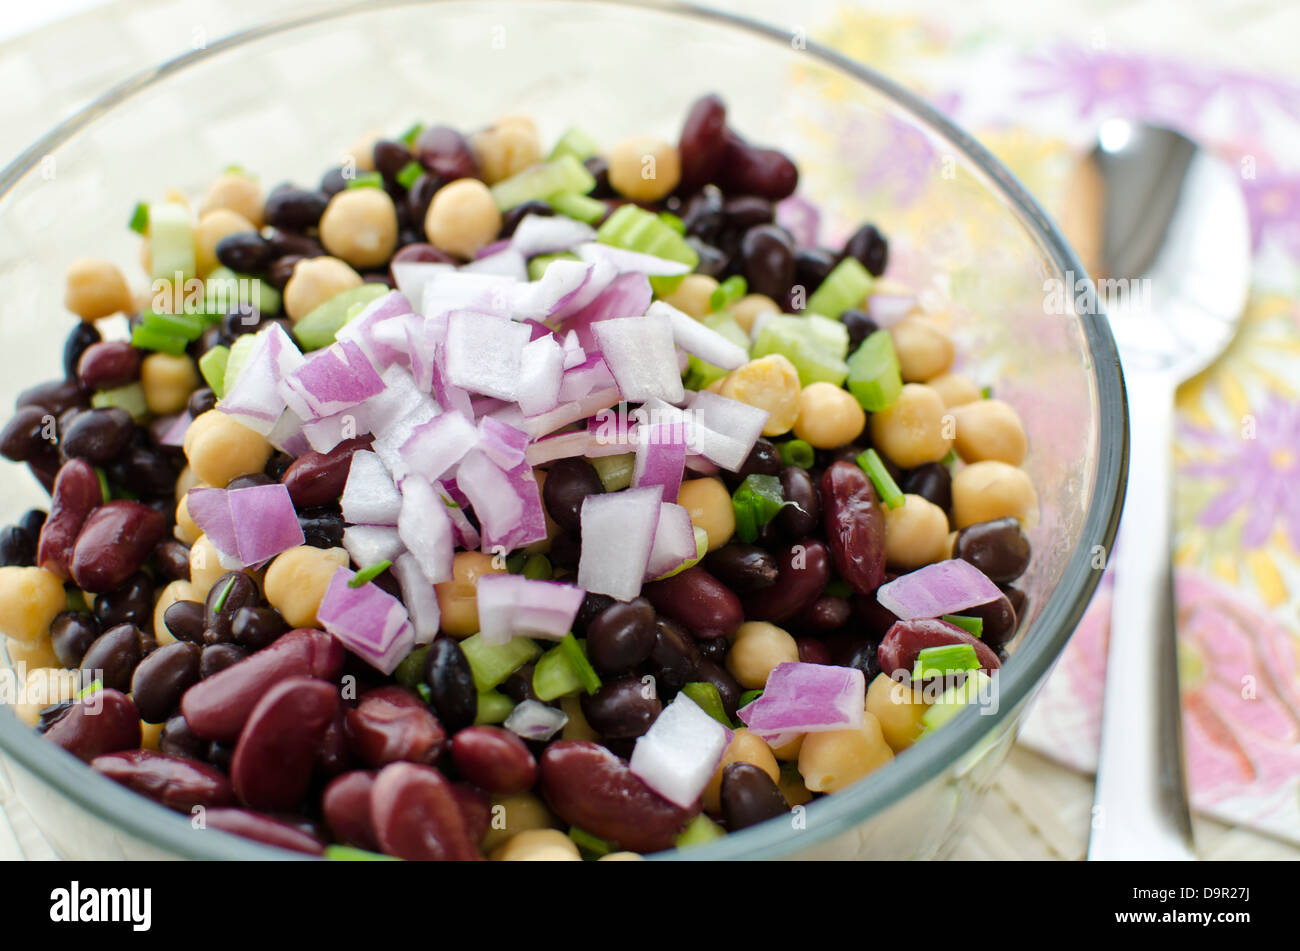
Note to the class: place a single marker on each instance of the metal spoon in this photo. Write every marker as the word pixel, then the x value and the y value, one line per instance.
pixel 1172 264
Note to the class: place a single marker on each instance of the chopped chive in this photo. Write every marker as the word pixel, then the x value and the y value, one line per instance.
pixel 672 221
pixel 971 625
pixel 728 292
pixel 221 598
pixel 950 458
pixel 749 696
pixel 588 844
pixel 411 134
pixel 425 692
pixel 90 688
pixel 139 221
pixel 755 503
pixel 367 180
pixel 213 367
pixel 348 853
pixel 943 660
pixel 699 830
pixel 708 699
pixel 234 168
pixel 369 573
pixel 575 653
pixel 986 392
pixel 104 491
pixel 874 467
pixel 146 338
pixel 410 672
pixel 515 562
pixel 537 568
pixel 493 707
pixel 796 452
pixel 409 173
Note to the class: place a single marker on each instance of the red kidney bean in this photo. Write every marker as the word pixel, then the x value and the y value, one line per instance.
pixel 54 396
pixel 76 494
pixel 161 679
pixel 114 542
pixel 217 708
pixel 812 651
pixel 805 515
pixel 476 810
pixel 392 724
pixel 804 571
pixel 263 829
pixel 906 639
pixel 318 478
pixel 494 759
pixel 332 754
pixel 113 657
pixel 345 804
pixel 749 170
pixel 97 435
pixel 999 617
pixel 826 613
pixel 698 601
pixel 588 786
pixel 416 816
pixel 703 141
pixel 273 759
pixel 174 781
pixel 104 722
pixel 71 634
pixel 749 796
pixel 27 434
pixel 855 526
pixel 446 153
pixel 109 364
pixel 621 636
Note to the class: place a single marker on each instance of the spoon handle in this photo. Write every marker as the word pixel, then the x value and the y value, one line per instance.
pixel 1140 807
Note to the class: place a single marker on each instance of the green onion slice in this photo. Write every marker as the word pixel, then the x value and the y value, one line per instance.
pixel 369 573
pixel 796 452
pixel 943 660
pixel 888 489
pixel 755 503
pixel 973 626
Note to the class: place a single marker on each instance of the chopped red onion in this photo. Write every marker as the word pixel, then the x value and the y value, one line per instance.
pixel 695 338
pixel 287 435
pixel 380 330
pixel 503 444
pixel 436 447
pixel 674 543
pixel 618 532
pixel 367 620
pixel 887 309
pixel 678 755
pixel 412 276
pixel 330 381
pixel 534 720
pixel 563 415
pixel 801 218
pixel 174 434
pixel 419 597
pixel 371 544
pixel 425 528
pixel 515 606
pixel 247 526
pixel 507 503
pixel 631 261
pixel 582 442
pixel 807 698
pixel 254 397
pixel 464 534
pixel 465 290
pixel 541 371
pixel 945 587
pixel 549 234
pixel 639 352
pixel 484 353
pixel 506 262
pixel 725 430
pixel 369 495
pixel 627 295
pixel 574 355
pixel 587 377
pixel 660 458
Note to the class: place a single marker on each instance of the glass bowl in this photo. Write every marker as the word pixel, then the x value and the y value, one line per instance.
pixel 286 101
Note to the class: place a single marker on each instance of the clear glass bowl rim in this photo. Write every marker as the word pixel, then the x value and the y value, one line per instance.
pixel 831 815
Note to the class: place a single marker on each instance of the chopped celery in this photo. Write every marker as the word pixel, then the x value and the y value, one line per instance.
pixel 974 626
pixel 188 326
pixel 748 697
pixel 636 229
pixel 146 338
pixel 366 180
pixel 171 242
pixel 888 490
pixel 213 367
pixel 318 327
pixel 538 265
pixel 701 549
pixel 493 663
pixel 555 675
pixel 672 221
pixel 615 471
pixel 874 376
pixel 576 143
pixel 708 699
pixel 129 398
pixel 831 335
pixel 700 374
pixel 349 853
pixel 699 830
pixel 240 351
pixel 564 174
pixel 847 285
pixel 493 707
pixel 410 672
pixel 588 844
pixel 223 290
pixel 139 222
pixel 804 344
pixel 581 207
pixel 76 600
pixel 970 692
pixel 944 659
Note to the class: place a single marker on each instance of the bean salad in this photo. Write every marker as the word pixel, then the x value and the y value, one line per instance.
pixel 489 501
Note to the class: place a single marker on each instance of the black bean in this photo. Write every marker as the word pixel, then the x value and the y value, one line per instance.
pixel 445 152
pixel 82 336
pixel 71 634
pixel 865 657
pixel 232 591
pixel 54 396
pixel 179 740
pixel 811 265
pixel 675 657
pixel 97 435
pixel 999 619
pixel 714 649
pixel 16 546
pixel 201 400
pixel 113 657
pixel 173 559
pixel 828 613
pixel 742 568
pixel 568 483
pixel 703 215
pixel 592 605
pixel 217 657
pixel 621 636
pixel 599 169
pixel 713 261
pixel 145 471
pixel 333 181
pixel 743 212
pixel 931 481
pixel 510 220
pixel 33 521
pixel 255 628
pixel 162 677
pixel 998 548
pixel 768 255
pixel 220 754
pixel 286 242
pixel 565 550
pixel 184 619
pixel 1019 600
pixel 805 515
pixel 729 689
pixel 451 684
pixel 622 709
pixel 749 796
pixel 859 326
pixel 250 481
pixel 27 434
pixel 322 526
pixel 519 685
pixel 869 246
pixel 294 209
pixel 763 459
pixel 418 199
pixel 390 157
pixel 245 252
pixel 52 714
pixel 131 603
pixel 277 466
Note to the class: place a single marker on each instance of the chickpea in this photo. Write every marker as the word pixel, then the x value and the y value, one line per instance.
pixel 184 482
pixel 644 169
pixel 95 288
pixel 186 530
pixel 924 351
pixel 297 579
pixel 506 148
pixel 745 747
pixel 512 815
pixel 756 648
pixel 770 383
pixel 989 429
pixel 220 448
pixel 983 491
pixel 31 656
pixel 212 227
pixel 235 192
pixel 955 389
pixel 899 708
pixel 788 751
pixel 205 567
pixel 458 598
pixel 914 430
pixel 750 306
pixel 709 503
pixel 916 533
pixel 29 599
pixel 692 295
pixel 538 845
pixel 167 382
pixel 179 590
pixel 621 857
pixel 832 760
pixel 828 416
pixel 44 687
pixel 313 282
pixel 577 727
pixel 360 226
pixel 362 151
pixel 462 217
pixel 716 385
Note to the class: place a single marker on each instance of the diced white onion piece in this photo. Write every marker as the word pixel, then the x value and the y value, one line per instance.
pixel 679 753
pixel 507 503
pixel 540 373
pixel 618 530
pixel 515 606
pixel 484 353
pixel 371 544
pixel 507 263
pixel 412 276
pixel 369 495
pixel 674 543
pixel 254 398
pixel 639 352
pixel 436 447
pixel 461 290
pixel 725 430
pixel 549 234
pixel 534 720
pixel 419 596
pixel 704 342
pixel 425 528
pixel 631 261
